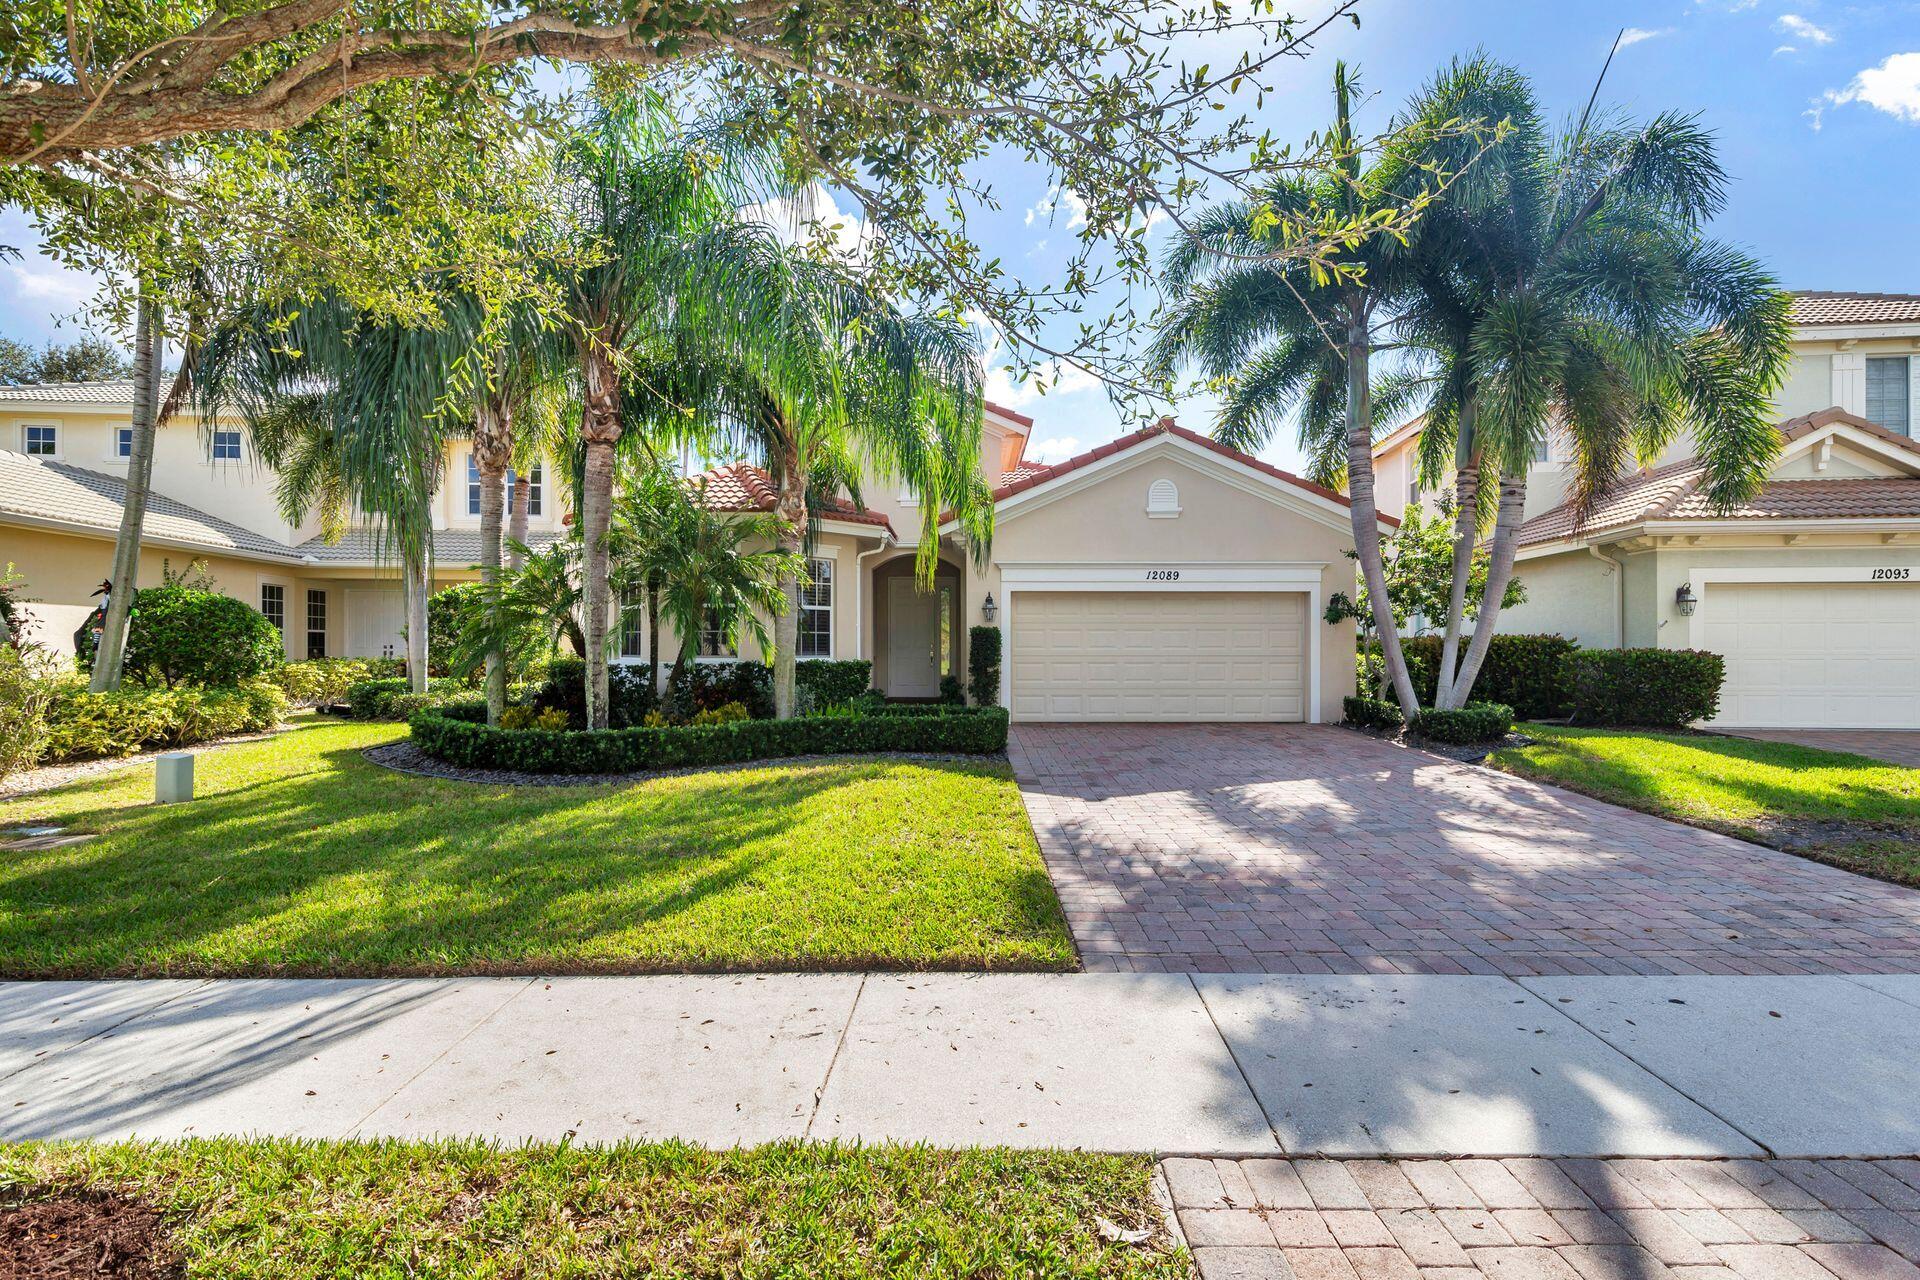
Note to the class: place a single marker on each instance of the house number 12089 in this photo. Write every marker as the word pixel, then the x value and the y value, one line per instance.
pixel 1163 575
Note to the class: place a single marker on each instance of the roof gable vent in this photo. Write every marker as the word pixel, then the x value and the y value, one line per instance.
pixel 1163 499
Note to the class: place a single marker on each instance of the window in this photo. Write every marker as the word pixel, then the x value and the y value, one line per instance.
pixel 273 603
pixel 1889 393
pixel 43 442
pixel 473 486
pixel 316 624
pixel 123 443
pixel 534 486
pixel 1542 451
pixel 226 445
pixel 713 639
pixel 816 611
pixel 633 622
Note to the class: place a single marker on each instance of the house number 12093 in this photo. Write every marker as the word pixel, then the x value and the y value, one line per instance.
pixel 1163 575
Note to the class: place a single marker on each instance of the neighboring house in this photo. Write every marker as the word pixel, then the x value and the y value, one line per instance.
pixel 1811 590
pixel 1161 576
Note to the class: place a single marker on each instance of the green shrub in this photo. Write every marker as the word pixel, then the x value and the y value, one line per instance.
pixel 324 680
pixel 1530 673
pixel 727 714
pixel 393 698
pixel 828 682
pixel 87 726
pixel 983 665
pixel 459 736
pixel 1372 713
pixel 1475 722
pixel 1663 687
pixel 550 719
pixel 818 683
pixel 952 692
pixel 182 635
pixel 443 629
pixel 24 694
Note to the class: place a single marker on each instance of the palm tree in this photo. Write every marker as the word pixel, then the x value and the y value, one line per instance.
pixel 1580 290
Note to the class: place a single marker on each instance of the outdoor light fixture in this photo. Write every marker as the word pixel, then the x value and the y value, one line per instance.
pixel 988 609
pixel 1685 599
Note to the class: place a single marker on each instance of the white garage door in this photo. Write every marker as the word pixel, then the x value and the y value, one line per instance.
pixel 375 619
pixel 1187 656
pixel 1840 656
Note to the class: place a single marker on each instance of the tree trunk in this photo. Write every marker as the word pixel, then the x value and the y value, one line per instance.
pixel 1365 512
pixel 1466 527
pixel 492 450
pixel 517 522
pixel 416 589
pixel 790 510
pixel 109 658
pixel 1506 541
pixel 600 429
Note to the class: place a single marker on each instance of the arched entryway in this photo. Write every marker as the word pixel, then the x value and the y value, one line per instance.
pixel 916 629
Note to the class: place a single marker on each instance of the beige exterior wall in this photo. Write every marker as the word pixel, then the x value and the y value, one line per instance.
pixel 1676 565
pixel 1571 594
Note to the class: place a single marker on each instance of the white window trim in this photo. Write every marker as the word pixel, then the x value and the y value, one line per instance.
pixel 1913 400
pixel 113 444
pixel 833 586
pixel 59 429
pixel 240 439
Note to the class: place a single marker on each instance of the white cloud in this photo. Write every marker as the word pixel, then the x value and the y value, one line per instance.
pixel 1785 48
pixel 1792 24
pixel 1892 87
pixel 1056 196
pixel 49 285
pixel 1048 380
pixel 1053 449
pixel 813 217
pixel 1634 35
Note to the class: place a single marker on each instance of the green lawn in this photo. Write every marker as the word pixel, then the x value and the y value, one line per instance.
pixel 300 857
pixel 291 1210
pixel 1849 810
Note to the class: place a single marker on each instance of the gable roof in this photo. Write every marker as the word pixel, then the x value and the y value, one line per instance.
pixel 1675 492
pixel 58 493
pixel 741 486
pixel 1824 306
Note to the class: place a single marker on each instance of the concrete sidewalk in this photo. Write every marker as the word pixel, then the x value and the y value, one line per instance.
pixel 1230 1065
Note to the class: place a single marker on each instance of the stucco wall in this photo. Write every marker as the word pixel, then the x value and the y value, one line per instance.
pixel 1680 564
pixel 1571 594
pixel 1809 385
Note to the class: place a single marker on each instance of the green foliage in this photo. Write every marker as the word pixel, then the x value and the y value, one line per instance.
pixel 86 359
pixel 393 698
pixel 983 665
pixel 952 692
pixel 316 681
pixel 1371 713
pixel 85 726
pixel 819 683
pixel 446 612
pixel 182 635
pixel 463 742
pixel 726 713
pixel 1474 723
pixel 824 682
pixel 1531 673
pixel 25 692
pixel 550 719
pixel 1418 560
pixel 1667 687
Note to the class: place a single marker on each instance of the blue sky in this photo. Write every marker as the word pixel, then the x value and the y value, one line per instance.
pixel 1816 103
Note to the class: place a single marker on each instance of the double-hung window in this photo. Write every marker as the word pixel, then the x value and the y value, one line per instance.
pixel 226 445
pixel 713 638
pixel 633 623
pixel 816 610
pixel 1890 393
pixel 42 442
pixel 473 486
pixel 273 603
pixel 316 624
pixel 123 443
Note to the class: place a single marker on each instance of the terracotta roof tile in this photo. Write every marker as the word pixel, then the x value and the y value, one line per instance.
pixel 1813 499
pixel 741 486
pixel 1005 412
pixel 1822 306
pixel 1640 496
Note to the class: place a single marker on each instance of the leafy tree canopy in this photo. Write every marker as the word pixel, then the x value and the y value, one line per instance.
pixel 1419 564
pixel 85 359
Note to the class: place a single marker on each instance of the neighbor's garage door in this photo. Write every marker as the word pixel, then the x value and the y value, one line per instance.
pixel 1839 655
pixel 1138 656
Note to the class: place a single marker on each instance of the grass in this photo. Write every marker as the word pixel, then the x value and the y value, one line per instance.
pixel 1849 810
pixel 290 1210
pixel 301 858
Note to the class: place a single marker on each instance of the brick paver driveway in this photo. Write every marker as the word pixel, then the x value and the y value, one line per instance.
pixel 1895 746
pixel 1314 849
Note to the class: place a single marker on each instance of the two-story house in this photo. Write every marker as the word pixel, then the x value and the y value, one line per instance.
pixel 1160 576
pixel 1811 590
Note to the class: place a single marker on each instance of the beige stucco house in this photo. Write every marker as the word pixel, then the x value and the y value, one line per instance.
pixel 1158 577
pixel 1811 591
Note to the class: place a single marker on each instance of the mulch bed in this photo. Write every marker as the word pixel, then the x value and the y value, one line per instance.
pixel 404 757
pixel 90 1234
pixel 1465 753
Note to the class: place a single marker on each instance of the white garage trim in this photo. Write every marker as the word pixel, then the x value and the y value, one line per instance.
pixel 1300 577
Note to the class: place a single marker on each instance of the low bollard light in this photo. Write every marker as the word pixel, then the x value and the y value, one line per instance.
pixel 173 778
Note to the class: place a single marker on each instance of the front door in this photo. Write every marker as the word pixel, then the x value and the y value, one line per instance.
pixel 913 641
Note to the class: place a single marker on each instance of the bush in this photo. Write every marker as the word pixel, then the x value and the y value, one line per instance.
pixel 443 629
pixel 1530 673
pixel 983 665
pixel 1475 722
pixel 24 695
pixel 952 692
pixel 728 714
pixel 393 698
pixel 550 719
pixel 323 680
pixel 182 635
pixel 87 726
pixel 705 686
pixel 1372 713
pixel 824 682
pixel 459 736
pixel 1662 687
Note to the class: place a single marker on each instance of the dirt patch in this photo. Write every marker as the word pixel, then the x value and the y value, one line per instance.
pixel 84 1234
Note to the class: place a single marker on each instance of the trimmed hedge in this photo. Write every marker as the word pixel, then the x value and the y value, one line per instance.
pixel 818 682
pixel 1664 687
pixel 1475 722
pixel 88 726
pixel 1530 673
pixel 459 736
pixel 1372 713
pixel 983 665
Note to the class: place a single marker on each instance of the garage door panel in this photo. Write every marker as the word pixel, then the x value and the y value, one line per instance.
pixel 1147 656
pixel 1828 655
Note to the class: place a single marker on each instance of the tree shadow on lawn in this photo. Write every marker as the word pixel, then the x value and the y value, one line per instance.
pixel 352 869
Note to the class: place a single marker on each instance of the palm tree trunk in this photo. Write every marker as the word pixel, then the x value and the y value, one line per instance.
pixel 517 521
pixel 416 588
pixel 790 509
pixel 492 450
pixel 600 430
pixel 1506 541
pixel 110 657
pixel 1365 512
pixel 1466 526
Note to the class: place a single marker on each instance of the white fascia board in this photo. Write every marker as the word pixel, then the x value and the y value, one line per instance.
pixel 1854 332
pixel 1904 459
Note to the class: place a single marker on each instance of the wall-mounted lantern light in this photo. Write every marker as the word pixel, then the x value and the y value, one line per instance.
pixel 988 609
pixel 1685 600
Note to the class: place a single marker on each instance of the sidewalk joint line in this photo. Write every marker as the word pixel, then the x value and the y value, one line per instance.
pixel 819 1095
pixel 451 1045
pixel 1245 1079
pixel 1854 978
pixel 1561 1010
pixel 108 1030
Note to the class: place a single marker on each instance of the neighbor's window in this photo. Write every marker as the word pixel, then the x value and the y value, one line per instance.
pixel 316 624
pixel 43 442
pixel 1543 451
pixel 273 603
pixel 633 622
pixel 1889 393
pixel 713 640
pixel 534 487
pixel 473 486
pixel 816 610
pixel 226 445
pixel 123 443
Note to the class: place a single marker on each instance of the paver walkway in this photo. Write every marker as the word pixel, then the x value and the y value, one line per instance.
pixel 1895 746
pixel 1315 849
pixel 1531 1219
